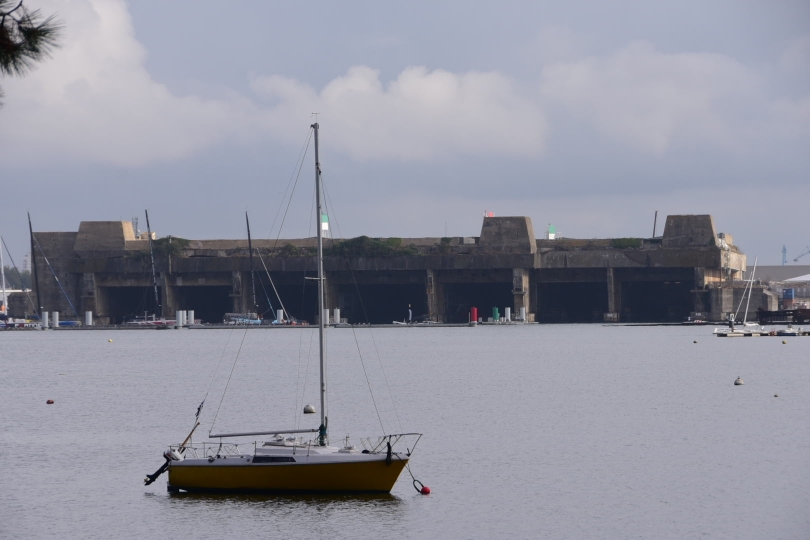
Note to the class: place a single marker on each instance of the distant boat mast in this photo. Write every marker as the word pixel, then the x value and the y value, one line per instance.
pixel 3 279
pixel 252 274
pixel 159 310
pixel 38 305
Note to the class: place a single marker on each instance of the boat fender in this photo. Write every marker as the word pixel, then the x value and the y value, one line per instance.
pixel 388 457
pixel 421 488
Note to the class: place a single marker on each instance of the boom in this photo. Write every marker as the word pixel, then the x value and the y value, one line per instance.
pixel 802 254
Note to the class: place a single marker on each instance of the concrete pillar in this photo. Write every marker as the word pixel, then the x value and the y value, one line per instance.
pixel 332 290
pixel 168 301
pixel 700 277
pixel 247 294
pixel 520 289
pixel 700 299
pixel 236 293
pixel 721 303
pixel 614 294
pixel 435 297
pixel 534 308
pixel 430 293
pixel 89 293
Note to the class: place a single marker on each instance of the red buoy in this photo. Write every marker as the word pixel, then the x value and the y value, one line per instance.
pixel 50 402
pixel 425 490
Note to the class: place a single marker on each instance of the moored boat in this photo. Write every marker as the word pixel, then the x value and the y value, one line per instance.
pixel 286 462
pixel 789 331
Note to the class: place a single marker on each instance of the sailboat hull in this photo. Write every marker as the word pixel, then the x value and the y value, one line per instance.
pixel 346 476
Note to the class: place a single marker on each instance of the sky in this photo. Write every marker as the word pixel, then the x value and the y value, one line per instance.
pixel 587 115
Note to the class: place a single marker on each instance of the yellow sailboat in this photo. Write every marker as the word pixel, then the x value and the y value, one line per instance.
pixel 285 462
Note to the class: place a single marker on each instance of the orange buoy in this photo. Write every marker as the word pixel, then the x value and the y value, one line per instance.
pixel 49 402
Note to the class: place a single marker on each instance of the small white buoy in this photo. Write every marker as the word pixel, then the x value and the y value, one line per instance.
pixel 110 340
pixel 739 381
pixel 309 409
pixel 784 342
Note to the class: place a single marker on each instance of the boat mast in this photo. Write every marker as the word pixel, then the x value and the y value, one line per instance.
pixel 159 313
pixel 750 291
pixel 3 279
pixel 322 430
pixel 252 278
pixel 38 307
pixel 19 276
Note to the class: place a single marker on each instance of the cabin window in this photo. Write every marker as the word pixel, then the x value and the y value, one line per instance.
pixel 273 459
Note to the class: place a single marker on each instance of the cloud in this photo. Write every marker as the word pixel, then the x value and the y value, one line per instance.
pixel 95 101
pixel 421 115
pixel 795 58
pixel 653 101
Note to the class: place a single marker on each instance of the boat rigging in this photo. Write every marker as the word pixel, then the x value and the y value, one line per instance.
pixel 286 462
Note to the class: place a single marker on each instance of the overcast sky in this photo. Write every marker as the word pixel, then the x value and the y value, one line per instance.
pixel 587 115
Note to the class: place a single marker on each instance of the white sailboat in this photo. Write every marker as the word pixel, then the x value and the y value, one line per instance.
pixel 285 462
pixel 748 329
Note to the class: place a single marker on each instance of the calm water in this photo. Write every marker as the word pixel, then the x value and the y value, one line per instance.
pixel 530 432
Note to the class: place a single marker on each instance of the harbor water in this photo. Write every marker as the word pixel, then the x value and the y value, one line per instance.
pixel 535 431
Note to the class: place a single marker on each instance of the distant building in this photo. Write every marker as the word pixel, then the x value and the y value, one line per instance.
pixel 690 271
pixel 26 263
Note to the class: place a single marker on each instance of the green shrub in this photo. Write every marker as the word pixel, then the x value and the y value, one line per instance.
pixel 363 246
pixel 170 246
pixel 625 243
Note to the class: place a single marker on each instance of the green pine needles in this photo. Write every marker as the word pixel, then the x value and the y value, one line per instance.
pixel 26 37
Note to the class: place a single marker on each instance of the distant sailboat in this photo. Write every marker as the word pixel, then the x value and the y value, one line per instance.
pixel 748 329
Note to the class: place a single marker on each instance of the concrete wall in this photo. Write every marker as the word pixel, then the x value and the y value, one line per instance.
pixel 507 235
pixel 690 230
pixel 94 236
pixel 58 249
pixel 506 256
pixel 19 305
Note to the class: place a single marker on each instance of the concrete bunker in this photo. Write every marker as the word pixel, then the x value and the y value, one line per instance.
pixel 126 303
pixel 382 304
pixel 209 303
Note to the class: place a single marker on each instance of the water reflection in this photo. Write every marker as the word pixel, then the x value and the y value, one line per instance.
pixel 252 514
pixel 304 500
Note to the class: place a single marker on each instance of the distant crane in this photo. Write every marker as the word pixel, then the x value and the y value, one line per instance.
pixel 802 254
pixel 784 255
